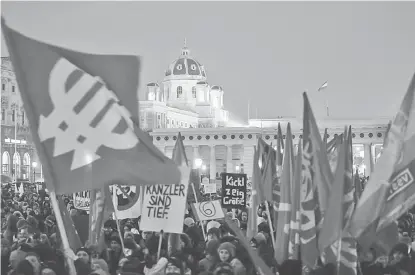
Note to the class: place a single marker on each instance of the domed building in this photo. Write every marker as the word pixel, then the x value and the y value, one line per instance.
pixel 184 99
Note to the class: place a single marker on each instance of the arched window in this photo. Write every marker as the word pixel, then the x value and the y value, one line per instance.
pixel 5 163
pixel 16 165
pixel 194 92
pixel 26 166
pixel 179 91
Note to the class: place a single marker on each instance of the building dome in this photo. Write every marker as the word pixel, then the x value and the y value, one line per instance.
pixel 185 67
pixel 153 84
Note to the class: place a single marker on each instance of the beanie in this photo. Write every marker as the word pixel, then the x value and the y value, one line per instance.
pixel 212 247
pixel 228 247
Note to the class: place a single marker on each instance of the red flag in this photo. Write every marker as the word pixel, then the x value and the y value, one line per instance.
pixel 101 209
pixel 83 117
pixel 341 203
pixel 390 189
pixel 73 237
pixel 313 145
pixel 316 175
pixel 334 217
pixel 257 196
pixel 294 233
pixel 284 206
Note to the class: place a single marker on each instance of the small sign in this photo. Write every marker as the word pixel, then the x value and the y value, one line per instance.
pixel 205 180
pixel 81 200
pixel 234 188
pixel 209 188
pixel 208 210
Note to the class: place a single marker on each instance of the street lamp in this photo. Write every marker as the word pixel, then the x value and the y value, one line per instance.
pixel 198 163
pixel 237 168
pixel 34 165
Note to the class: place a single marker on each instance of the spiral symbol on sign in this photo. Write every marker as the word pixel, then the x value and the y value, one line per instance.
pixel 207 209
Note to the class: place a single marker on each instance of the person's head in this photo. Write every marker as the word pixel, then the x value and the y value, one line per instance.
pixel 84 255
pixel 189 222
pixel 34 260
pixel 25 267
pixel 367 256
pixel 146 235
pixel 223 269
pixel 211 250
pixel 213 234
pixel 115 243
pixel 48 271
pixel 244 216
pixel 226 252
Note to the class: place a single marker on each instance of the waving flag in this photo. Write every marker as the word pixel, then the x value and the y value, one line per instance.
pixel 283 227
pixel 315 176
pixel 341 206
pixel 390 189
pixel 83 117
pixel 295 223
pixel 324 86
pixel 313 148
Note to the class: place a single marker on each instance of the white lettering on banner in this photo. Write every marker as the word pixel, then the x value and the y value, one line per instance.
pixel 164 205
pixel 400 182
pixel 72 131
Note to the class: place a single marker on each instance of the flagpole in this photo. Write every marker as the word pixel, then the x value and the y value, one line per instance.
pixel 19 74
pixel 16 108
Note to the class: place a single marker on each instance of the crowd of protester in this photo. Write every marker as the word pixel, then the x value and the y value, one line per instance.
pixel 31 245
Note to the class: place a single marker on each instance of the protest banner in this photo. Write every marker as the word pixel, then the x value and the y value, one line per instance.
pixel 208 210
pixel 164 205
pixel 234 188
pixel 81 200
pixel 126 200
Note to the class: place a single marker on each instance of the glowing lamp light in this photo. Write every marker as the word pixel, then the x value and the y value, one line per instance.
pixel 237 168
pixel 34 164
pixel 198 163
pixel 204 167
pixel 363 166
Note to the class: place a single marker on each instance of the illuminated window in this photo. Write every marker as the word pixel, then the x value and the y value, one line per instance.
pixel 3 86
pixel 13 88
pixel 13 115
pixel 179 91
pixel 194 92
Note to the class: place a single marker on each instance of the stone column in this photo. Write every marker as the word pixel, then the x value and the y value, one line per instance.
pixel 212 167
pixel 229 164
pixel 367 158
pixel 248 159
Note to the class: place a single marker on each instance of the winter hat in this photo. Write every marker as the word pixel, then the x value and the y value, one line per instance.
pixel 101 263
pixel 18 214
pixel 32 222
pixel 22 224
pixel 263 227
pixel 116 239
pixel 189 221
pixel 16 257
pixel 228 247
pixel 212 224
pixel 214 231
pixel 260 238
pixel 86 250
pixel 402 248
pixel 212 247
pixel 223 268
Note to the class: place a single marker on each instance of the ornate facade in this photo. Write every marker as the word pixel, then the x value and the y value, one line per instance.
pixel 17 149
pixel 185 102
pixel 184 99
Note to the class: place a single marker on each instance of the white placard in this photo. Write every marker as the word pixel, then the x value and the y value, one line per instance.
pixel 164 205
pixel 208 210
pixel 209 188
